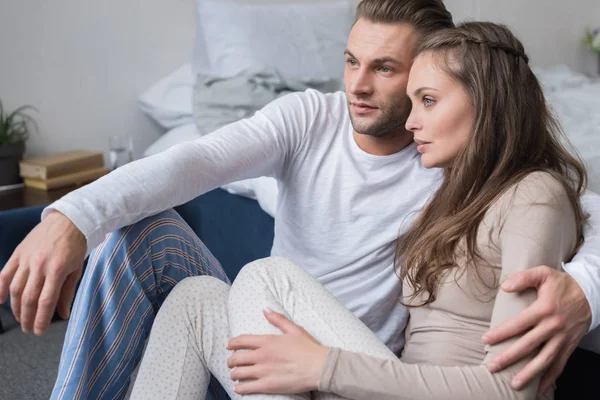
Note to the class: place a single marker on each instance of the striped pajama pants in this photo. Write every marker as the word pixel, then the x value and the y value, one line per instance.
pixel 126 280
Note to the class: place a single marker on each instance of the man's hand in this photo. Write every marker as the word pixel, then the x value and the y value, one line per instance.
pixel 558 319
pixel 277 364
pixel 43 272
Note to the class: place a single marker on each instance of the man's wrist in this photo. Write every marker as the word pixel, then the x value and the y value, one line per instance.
pixel 581 275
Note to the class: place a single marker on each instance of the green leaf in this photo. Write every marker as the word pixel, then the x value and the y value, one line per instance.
pixel 590 41
pixel 15 126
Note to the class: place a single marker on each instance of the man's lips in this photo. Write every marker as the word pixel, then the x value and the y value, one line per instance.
pixel 362 108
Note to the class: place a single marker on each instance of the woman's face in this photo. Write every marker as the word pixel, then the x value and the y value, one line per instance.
pixel 442 116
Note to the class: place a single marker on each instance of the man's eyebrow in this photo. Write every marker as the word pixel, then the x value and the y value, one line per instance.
pixel 380 60
pixel 422 89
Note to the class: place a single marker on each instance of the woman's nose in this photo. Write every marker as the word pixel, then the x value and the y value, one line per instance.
pixel 412 123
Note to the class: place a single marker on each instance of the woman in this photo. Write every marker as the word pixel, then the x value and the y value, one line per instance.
pixel 509 201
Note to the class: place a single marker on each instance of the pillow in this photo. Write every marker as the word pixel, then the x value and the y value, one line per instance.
pixel 299 40
pixel 184 133
pixel 169 101
pixel 262 189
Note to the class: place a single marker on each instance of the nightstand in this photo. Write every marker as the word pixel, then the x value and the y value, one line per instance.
pixel 27 197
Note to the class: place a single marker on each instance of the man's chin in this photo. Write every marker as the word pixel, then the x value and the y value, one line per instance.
pixel 368 131
pixel 362 124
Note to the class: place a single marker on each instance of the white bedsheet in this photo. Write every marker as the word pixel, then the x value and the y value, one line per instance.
pixel 575 99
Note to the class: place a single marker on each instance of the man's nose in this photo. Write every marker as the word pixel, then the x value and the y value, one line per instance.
pixel 361 84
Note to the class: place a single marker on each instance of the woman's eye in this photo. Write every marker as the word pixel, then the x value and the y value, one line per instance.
pixel 428 102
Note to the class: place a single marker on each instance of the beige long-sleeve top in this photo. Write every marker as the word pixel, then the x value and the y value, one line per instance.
pixel 532 224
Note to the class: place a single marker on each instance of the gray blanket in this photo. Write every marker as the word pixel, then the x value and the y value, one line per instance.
pixel 219 101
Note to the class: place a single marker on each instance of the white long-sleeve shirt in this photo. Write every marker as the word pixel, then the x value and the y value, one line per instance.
pixel 339 209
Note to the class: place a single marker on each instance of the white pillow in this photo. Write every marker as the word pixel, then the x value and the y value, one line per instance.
pixel 169 101
pixel 262 189
pixel 300 40
pixel 184 133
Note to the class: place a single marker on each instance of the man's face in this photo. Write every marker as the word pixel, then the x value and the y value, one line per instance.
pixel 378 61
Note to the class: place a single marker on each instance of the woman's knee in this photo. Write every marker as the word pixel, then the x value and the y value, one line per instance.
pixel 273 272
pixel 267 267
pixel 195 288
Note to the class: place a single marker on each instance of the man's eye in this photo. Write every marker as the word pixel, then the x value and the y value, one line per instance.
pixel 385 70
pixel 351 62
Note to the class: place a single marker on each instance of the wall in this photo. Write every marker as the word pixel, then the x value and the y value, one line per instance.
pixel 551 30
pixel 83 64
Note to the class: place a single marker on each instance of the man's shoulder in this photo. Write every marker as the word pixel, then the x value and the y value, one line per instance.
pixel 335 97
pixel 318 101
pixel 309 105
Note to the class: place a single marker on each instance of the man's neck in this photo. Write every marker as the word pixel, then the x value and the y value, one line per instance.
pixel 383 145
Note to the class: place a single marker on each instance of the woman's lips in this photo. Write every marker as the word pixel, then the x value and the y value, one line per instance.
pixel 422 145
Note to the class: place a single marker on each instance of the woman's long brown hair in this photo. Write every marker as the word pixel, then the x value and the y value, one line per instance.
pixel 514 134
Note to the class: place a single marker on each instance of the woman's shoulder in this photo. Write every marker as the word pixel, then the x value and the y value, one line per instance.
pixel 537 187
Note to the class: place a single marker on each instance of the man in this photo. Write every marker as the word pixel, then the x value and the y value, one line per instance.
pixel 348 176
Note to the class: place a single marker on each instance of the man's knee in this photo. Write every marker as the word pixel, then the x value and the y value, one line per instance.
pixel 152 222
pixel 128 235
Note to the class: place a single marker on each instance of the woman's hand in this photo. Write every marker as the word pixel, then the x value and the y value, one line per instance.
pixel 278 364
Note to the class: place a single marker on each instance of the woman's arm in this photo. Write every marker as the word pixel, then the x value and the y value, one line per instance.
pixel 567 307
pixel 536 226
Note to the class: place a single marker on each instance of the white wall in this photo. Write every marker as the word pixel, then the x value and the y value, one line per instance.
pixel 83 63
pixel 551 30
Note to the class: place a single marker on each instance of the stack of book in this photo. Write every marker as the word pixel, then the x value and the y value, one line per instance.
pixel 72 168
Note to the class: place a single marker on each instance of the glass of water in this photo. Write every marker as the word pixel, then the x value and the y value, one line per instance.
pixel 121 151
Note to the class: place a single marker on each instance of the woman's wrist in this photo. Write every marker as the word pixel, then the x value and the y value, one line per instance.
pixel 319 363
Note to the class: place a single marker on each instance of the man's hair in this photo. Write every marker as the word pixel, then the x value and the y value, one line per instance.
pixel 515 134
pixel 426 16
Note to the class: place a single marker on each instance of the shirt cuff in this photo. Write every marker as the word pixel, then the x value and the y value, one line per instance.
pixel 326 381
pixel 581 274
pixel 92 236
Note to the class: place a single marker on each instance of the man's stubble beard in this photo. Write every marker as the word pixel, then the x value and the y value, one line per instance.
pixel 393 119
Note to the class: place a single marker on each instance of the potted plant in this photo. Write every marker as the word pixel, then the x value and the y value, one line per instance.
pixel 592 40
pixel 14 132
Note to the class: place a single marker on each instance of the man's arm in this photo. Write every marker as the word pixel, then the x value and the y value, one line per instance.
pixel 245 149
pixel 44 269
pixel 567 307
pixel 585 266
